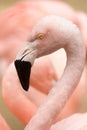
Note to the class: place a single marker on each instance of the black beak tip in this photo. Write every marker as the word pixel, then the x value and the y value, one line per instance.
pixel 23 69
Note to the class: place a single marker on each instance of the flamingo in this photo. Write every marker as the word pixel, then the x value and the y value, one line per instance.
pixel 20 33
pixel 7 81
pixel 50 34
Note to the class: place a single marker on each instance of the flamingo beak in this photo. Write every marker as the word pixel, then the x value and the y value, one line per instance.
pixel 23 69
pixel 23 64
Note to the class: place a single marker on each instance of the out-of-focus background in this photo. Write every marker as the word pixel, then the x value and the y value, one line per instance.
pixel 13 121
pixel 77 4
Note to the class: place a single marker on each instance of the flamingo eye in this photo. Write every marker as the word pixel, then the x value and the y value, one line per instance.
pixel 40 36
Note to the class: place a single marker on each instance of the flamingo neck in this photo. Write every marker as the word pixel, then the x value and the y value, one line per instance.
pixel 62 90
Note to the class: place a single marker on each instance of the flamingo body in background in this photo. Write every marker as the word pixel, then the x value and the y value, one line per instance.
pixel 19 20
pixel 34 98
pixel 38 79
pixel 49 35
pixel 3 124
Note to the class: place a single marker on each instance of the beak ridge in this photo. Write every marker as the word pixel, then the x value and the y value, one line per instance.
pixel 23 70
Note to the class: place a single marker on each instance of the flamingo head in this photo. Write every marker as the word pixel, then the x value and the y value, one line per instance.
pixel 37 45
pixel 46 37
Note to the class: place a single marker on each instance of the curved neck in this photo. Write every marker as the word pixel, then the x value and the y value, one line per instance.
pixel 75 64
pixel 62 90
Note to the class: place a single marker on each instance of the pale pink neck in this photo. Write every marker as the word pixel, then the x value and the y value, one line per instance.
pixel 60 93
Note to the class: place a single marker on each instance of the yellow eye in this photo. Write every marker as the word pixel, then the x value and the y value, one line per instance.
pixel 40 36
